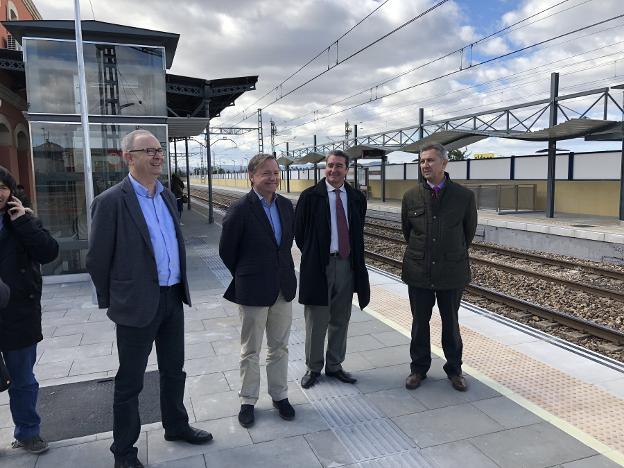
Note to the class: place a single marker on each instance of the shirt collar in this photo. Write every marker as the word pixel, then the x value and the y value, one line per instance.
pixel 142 191
pixel 440 185
pixel 264 200
pixel 331 188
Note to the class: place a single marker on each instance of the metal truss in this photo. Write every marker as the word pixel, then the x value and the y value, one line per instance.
pixel 232 130
pixel 14 65
pixel 503 121
pixel 209 90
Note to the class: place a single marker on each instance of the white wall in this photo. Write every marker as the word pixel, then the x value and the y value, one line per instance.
pixel 490 168
pixel 597 166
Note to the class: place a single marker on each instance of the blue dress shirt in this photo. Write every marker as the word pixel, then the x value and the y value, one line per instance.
pixel 273 216
pixel 162 232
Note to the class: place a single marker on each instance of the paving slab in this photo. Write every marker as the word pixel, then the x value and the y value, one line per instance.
pixel 538 445
pixel 285 453
pixel 447 424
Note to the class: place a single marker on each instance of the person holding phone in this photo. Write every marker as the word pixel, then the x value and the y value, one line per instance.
pixel 24 246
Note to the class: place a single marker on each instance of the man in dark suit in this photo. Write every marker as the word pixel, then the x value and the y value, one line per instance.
pixel 256 243
pixel 137 261
pixel 329 230
pixel 439 220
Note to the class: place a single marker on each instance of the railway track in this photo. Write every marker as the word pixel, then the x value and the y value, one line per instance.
pixel 547 313
pixel 577 323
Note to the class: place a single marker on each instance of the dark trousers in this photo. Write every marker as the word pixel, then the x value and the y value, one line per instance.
pixel 421 303
pixel 331 320
pixel 23 391
pixel 180 205
pixel 134 346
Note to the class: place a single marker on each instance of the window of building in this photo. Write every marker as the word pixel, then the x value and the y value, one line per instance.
pixel 121 79
pixel 59 181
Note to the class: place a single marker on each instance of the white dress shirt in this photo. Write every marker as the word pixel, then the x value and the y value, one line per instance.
pixel 333 246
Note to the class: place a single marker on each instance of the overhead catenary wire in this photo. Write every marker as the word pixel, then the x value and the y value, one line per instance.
pixel 470 46
pixel 454 72
pixel 313 58
pixel 349 57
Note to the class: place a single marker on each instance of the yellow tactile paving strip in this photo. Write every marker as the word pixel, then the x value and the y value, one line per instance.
pixel 585 411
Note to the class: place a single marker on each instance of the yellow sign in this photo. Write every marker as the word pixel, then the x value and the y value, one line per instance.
pixel 484 155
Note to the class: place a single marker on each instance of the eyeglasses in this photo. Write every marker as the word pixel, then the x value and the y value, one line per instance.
pixel 151 152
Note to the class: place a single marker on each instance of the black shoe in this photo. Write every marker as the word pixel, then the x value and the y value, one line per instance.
pixel 309 379
pixel 341 375
pixel 190 435
pixel 246 415
pixel 128 463
pixel 286 411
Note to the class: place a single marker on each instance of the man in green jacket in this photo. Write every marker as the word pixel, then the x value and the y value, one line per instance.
pixel 439 219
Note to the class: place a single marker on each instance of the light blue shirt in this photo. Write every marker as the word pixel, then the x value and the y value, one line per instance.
pixel 273 216
pixel 333 245
pixel 441 184
pixel 162 232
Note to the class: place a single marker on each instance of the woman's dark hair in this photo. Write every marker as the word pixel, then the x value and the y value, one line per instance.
pixel 7 179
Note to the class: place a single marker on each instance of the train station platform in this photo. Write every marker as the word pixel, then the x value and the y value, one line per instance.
pixel 589 237
pixel 533 401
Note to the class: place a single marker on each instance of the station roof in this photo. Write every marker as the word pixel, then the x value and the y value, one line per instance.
pixel 369 151
pixel 312 157
pixel 573 128
pixel 284 161
pixel 98 31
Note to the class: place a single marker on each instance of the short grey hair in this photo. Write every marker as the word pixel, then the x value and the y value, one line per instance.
pixel 442 151
pixel 127 143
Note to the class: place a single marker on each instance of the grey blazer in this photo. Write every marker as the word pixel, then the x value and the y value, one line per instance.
pixel 121 258
pixel 5 294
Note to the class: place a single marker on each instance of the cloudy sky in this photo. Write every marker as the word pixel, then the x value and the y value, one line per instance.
pixel 274 38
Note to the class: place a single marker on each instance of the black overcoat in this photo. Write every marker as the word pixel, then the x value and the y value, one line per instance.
pixel 260 268
pixel 438 234
pixel 24 246
pixel 313 237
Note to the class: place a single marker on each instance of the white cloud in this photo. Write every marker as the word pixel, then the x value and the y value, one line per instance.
pixel 272 38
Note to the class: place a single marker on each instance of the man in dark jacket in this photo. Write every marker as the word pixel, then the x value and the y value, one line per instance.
pixel 329 230
pixel 24 246
pixel 439 219
pixel 255 246
pixel 137 261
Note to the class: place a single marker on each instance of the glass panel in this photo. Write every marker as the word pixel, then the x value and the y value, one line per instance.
pixel 124 80
pixel 121 80
pixel 51 76
pixel 59 181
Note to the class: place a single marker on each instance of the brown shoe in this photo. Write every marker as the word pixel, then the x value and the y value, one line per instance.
pixel 459 382
pixel 413 381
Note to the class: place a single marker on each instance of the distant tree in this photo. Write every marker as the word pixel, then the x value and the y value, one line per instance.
pixel 458 154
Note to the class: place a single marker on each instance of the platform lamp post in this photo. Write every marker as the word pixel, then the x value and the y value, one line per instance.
pixel 552 147
pixel 621 216
pixel 84 115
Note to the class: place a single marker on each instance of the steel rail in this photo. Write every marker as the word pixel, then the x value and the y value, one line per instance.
pixel 580 324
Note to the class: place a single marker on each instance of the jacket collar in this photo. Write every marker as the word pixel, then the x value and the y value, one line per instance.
pixel 130 199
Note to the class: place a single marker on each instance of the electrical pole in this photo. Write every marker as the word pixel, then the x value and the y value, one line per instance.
pixel 273 133
pixel 260 135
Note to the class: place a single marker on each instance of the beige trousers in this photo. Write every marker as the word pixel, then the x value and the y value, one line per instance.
pixel 276 321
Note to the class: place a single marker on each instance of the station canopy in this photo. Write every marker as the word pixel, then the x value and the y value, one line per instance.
pixel 369 151
pixel 574 128
pixel 284 161
pixel 312 157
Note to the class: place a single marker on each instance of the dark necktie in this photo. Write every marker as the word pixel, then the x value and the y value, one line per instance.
pixel 343 229
pixel 435 191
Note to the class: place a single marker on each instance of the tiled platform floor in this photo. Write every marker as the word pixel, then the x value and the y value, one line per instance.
pixel 375 423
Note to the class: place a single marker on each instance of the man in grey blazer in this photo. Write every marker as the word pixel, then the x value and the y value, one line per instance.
pixel 136 259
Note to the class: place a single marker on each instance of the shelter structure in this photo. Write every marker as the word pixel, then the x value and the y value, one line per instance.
pixel 362 151
pixel 311 158
pixel 127 88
